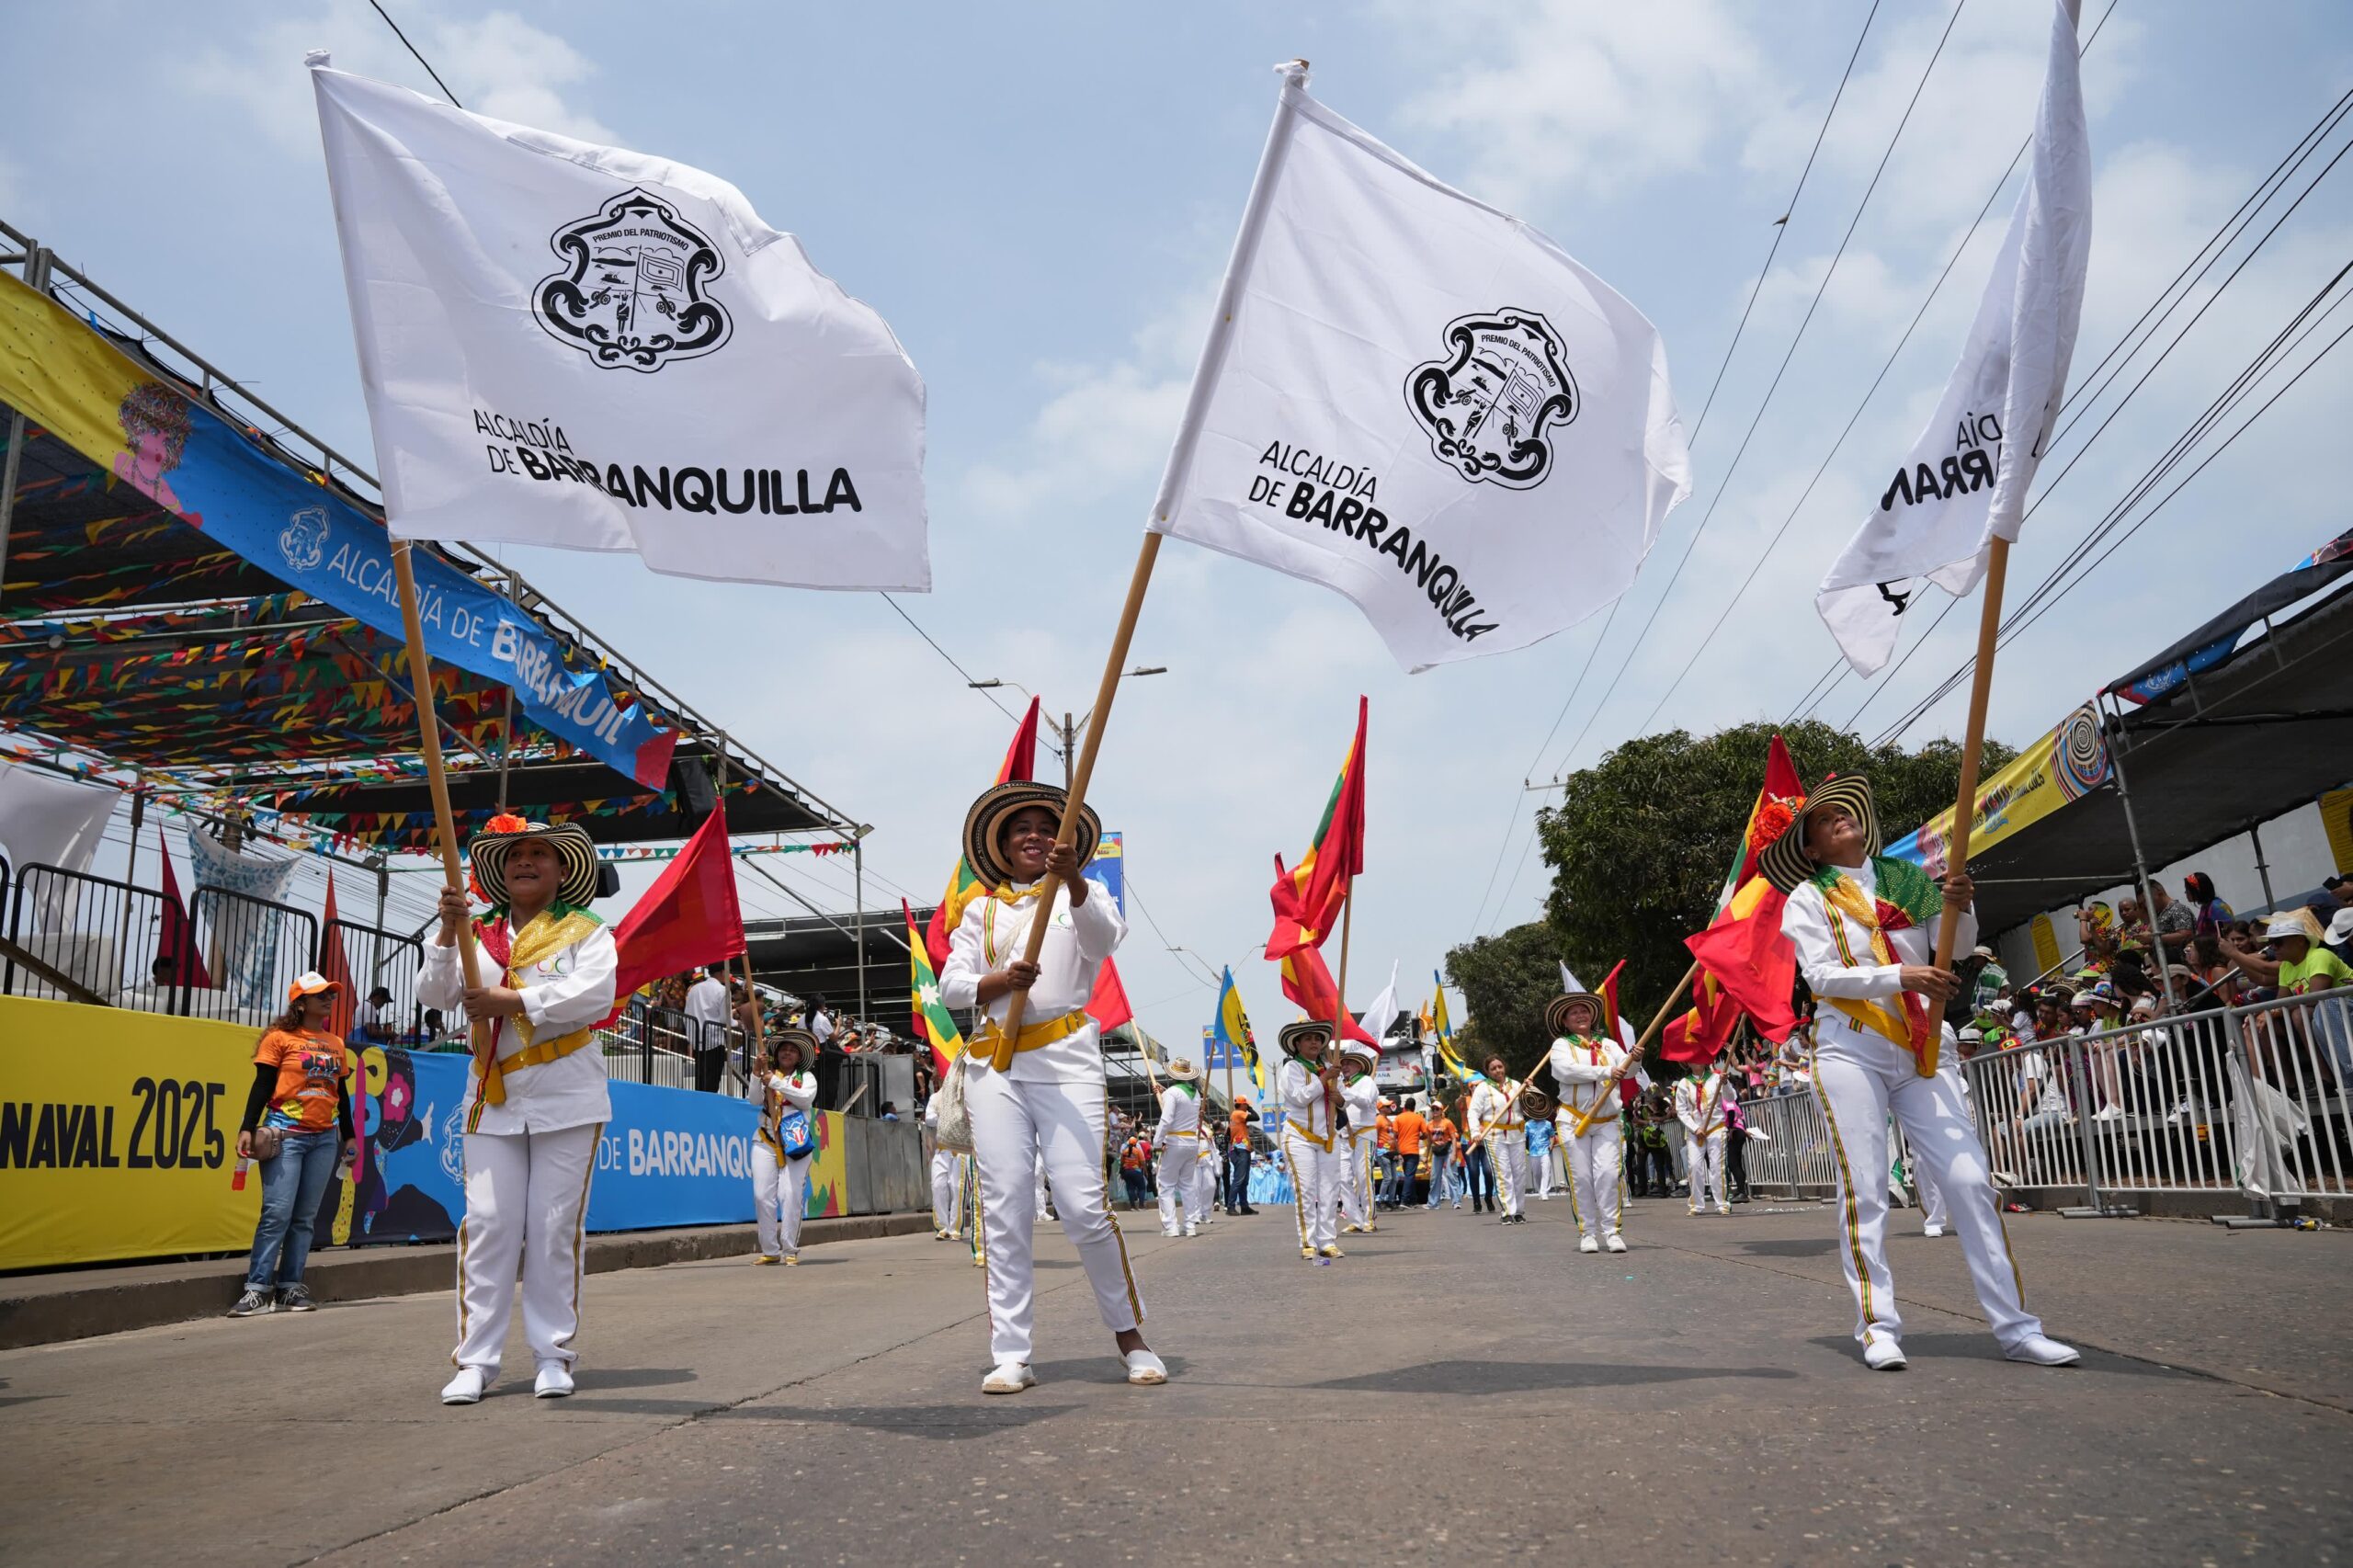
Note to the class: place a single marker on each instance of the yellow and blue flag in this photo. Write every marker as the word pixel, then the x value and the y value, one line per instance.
pixel 1455 1067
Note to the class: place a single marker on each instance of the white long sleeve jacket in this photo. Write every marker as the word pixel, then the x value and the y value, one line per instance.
pixel 1581 1065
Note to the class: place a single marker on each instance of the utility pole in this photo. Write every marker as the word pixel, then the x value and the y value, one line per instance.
pixel 1070 744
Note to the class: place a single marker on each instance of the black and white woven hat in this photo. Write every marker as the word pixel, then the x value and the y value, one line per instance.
pixel 575 853
pixel 1785 863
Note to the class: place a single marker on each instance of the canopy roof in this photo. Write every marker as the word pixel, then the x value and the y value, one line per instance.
pixel 136 646
pixel 2267 728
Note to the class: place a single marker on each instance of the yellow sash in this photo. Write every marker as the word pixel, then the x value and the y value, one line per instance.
pixel 1845 898
pixel 543 936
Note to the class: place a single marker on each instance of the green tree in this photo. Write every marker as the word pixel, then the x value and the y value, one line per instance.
pixel 1505 980
pixel 1641 842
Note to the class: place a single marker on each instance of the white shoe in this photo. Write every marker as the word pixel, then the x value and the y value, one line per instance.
pixel 554 1382
pixel 1192 1230
pixel 2110 1113
pixel 1615 1242
pixel 2041 1350
pixel 465 1388
pixel 1882 1354
pixel 1932 1231
pixel 1145 1369
pixel 1010 1377
pixel 1168 1230
pixel 1588 1244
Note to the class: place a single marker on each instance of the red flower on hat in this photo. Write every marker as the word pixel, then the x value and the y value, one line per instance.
pixel 505 822
pixel 1773 819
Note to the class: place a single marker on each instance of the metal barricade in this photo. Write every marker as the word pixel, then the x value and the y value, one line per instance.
pixel 101 934
pixel 377 959
pixel 651 1045
pixel 2248 1101
pixel 252 951
pixel 1794 1156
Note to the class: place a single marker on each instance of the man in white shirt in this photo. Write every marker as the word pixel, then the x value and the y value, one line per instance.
pixel 707 1010
pixel 1039 1097
pixel 1864 928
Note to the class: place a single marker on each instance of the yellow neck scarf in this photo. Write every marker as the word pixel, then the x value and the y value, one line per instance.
pixel 1902 1024
pixel 546 935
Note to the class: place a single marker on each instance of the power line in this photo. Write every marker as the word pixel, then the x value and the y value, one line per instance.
pixel 413 50
pixel 1724 486
pixel 1780 231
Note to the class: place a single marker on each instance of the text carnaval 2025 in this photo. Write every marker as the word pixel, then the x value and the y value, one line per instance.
pixel 544 452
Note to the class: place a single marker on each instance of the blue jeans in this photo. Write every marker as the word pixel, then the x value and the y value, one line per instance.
pixel 291 1186
pixel 1478 1179
pixel 1237 1178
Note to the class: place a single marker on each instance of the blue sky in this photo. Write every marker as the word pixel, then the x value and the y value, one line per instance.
pixel 1039 199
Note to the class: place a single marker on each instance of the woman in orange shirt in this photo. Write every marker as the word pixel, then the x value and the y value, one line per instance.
pixel 301 1101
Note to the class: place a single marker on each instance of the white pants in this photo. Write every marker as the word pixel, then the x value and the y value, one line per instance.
pixel 1180 1184
pixel 1205 1183
pixel 780 1193
pixel 527 1202
pixel 1354 1151
pixel 1315 1186
pixel 943 1190
pixel 1017 1128
pixel 1860 1081
pixel 1707 1169
pixel 1540 1173
pixel 1508 1157
pixel 1596 1164
pixel 1934 1216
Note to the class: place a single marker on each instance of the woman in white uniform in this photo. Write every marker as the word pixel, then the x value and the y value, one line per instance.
pixel 1360 1097
pixel 1310 1088
pixel 1047 1103
pixel 1494 1113
pixel 779 1175
pixel 1179 1142
pixel 536 1105
pixel 1864 926
pixel 1584 1064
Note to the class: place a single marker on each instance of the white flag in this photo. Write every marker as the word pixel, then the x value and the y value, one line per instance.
pixel 1626 1035
pixel 578 345
pixel 1421 403
pixel 1965 479
pixel 1384 1011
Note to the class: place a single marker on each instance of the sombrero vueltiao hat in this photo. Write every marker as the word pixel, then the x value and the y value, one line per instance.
pixel 1556 1011
pixel 575 852
pixel 1304 1035
pixel 801 1037
pixel 1785 863
pixel 1182 1071
pixel 985 825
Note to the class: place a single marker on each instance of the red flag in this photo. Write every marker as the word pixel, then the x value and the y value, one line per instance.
pixel 1307 896
pixel 1778 801
pixel 1020 761
pixel 1614 1028
pixel 337 971
pixel 688 918
pixel 1108 1007
pixel 1307 981
pixel 1747 959
pixel 178 939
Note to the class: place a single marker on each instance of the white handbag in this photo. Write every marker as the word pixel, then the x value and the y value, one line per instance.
pixel 954 1133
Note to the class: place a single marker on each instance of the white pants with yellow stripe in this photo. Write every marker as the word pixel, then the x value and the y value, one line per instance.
pixel 780 1197
pixel 943 1176
pixel 1707 1171
pixel 1355 1150
pixel 1315 1186
pixel 1595 1162
pixel 527 1200
pixel 1507 1158
pixel 1861 1080
pixel 1179 1183
pixel 1019 1126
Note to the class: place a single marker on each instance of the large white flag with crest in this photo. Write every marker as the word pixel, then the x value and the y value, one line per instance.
pixel 1965 479
pixel 577 345
pixel 1421 402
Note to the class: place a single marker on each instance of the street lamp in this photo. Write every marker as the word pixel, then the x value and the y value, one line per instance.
pixel 1070 727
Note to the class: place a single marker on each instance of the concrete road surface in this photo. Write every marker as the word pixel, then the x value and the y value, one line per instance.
pixel 1453 1390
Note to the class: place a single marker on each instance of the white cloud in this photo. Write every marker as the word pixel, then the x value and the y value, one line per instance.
pixel 1567 95
pixel 496 64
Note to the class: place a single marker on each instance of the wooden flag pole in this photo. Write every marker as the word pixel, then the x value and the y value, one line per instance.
pixel 1018 1004
pixel 1964 811
pixel 1340 991
pixel 1586 1117
pixel 437 782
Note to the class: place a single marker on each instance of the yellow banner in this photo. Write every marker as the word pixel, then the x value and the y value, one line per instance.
pixel 2065 764
pixel 117 1134
pixel 67 377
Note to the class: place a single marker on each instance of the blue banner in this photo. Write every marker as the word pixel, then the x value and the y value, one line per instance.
pixel 1109 868
pixel 312 538
pixel 669 1156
